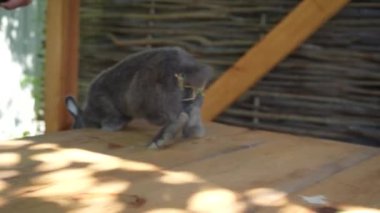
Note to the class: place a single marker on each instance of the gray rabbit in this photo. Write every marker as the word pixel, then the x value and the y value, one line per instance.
pixel 161 85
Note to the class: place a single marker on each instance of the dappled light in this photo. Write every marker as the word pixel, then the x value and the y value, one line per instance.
pixel 266 197
pixel 9 159
pixel 3 185
pixel 15 144
pixel 166 210
pixel 9 173
pixel 52 165
pixel 215 200
pixel 174 177
pixel 358 209
pixel 44 146
pixel 294 208
pixel 96 171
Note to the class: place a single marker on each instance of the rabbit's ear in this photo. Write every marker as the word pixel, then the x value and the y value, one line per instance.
pixel 72 106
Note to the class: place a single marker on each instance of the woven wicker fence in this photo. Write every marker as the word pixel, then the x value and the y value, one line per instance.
pixel 329 87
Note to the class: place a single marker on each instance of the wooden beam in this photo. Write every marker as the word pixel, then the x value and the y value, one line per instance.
pixel 61 69
pixel 294 29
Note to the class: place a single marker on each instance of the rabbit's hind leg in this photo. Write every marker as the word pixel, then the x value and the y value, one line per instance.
pixel 115 122
pixel 107 114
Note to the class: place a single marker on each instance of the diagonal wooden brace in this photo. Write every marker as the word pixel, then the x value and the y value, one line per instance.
pixel 294 29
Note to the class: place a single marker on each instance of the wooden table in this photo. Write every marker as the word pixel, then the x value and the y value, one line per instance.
pixel 230 170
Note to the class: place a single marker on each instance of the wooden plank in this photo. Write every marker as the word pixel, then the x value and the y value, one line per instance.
pixel 222 183
pixel 131 143
pixel 349 187
pixel 62 40
pixel 231 169
pixel 356 189
pixel 294 29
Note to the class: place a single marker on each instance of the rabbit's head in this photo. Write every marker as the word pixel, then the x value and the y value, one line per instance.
pixel 75 111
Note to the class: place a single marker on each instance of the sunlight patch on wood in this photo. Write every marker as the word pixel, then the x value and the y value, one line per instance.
pixel 44 146
pixel 106 162
pixel 173 177
pixel 112 187
pixel 138 166
pixel 266 197
pixel 9 159
pixel 64 175
pixel 4 174
pixel 14 144
pixel 95 161
pixel 166 210
pixel 49 162
pixel 65 189
pixel 87 193
pixel 294 208
pixel 357 209
pixel 3 185
pixel 215 200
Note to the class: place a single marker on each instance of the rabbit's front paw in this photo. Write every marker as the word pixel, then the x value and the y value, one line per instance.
pixel 159 144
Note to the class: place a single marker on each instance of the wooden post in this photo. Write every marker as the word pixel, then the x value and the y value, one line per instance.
pixel 61 71
pixel 294 29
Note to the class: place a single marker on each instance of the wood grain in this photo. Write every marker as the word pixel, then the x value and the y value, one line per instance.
pixel 62 40
pixel 230 170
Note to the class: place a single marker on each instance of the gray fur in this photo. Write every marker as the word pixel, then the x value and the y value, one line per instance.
pixel 144 86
